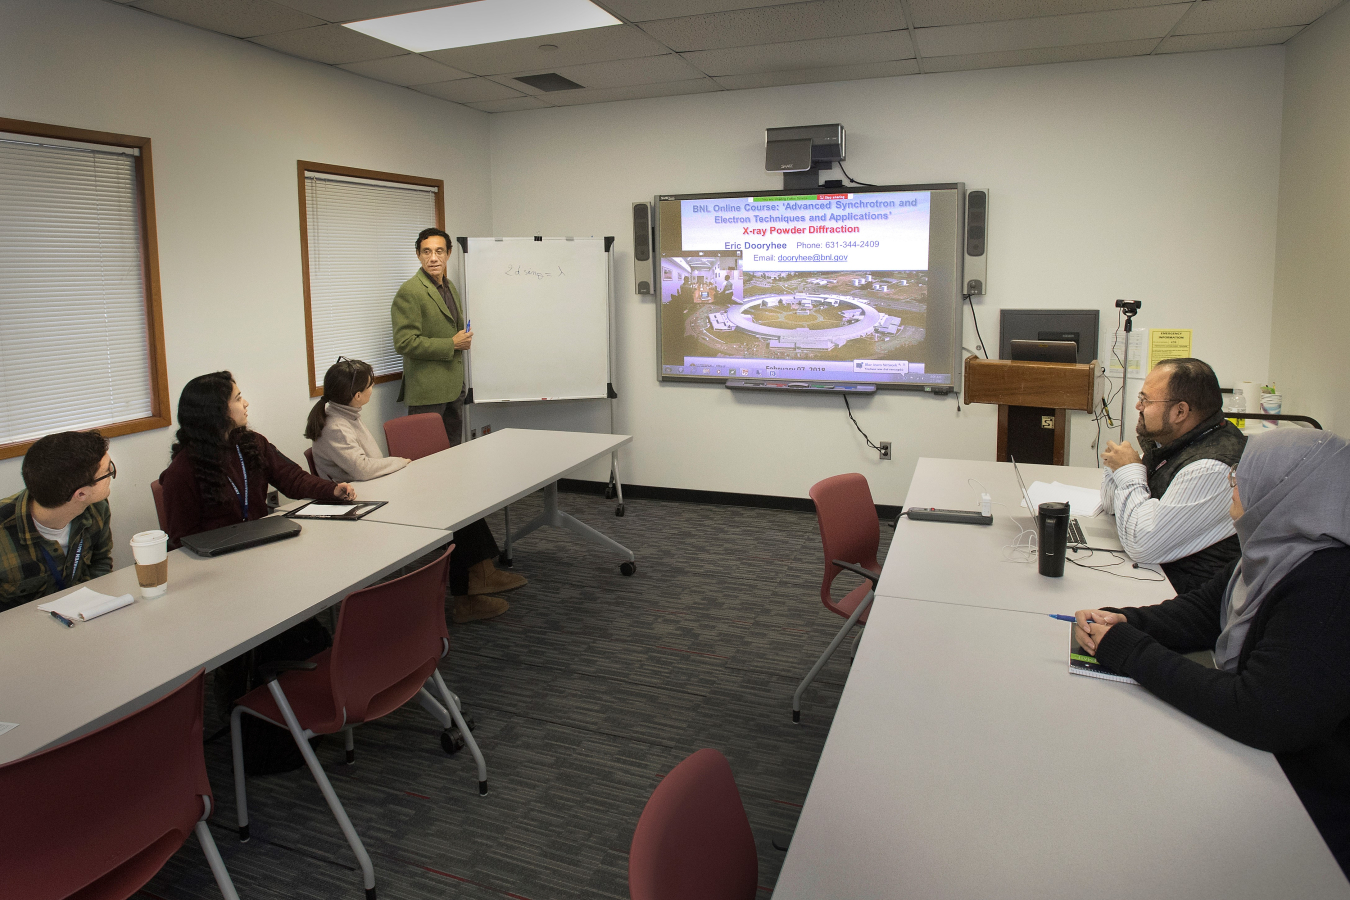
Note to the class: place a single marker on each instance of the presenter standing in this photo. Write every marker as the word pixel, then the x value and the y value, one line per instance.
pixel 428 334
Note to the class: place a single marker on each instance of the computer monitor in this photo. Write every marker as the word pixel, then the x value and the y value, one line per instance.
pixel 1045 351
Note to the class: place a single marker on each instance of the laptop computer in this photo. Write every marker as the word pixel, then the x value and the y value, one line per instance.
pixel 1076 535
pixel 242 536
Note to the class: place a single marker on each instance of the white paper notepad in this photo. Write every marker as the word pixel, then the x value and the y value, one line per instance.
pixel 85 604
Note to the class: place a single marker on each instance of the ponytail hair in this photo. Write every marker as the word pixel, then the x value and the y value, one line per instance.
pixel 341 383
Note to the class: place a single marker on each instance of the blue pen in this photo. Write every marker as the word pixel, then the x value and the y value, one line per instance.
pixel 62 619
pixel 1062 618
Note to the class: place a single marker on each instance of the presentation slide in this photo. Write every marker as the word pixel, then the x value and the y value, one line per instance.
pixel 819 287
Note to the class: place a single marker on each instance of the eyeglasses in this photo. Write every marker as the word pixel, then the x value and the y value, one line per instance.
pixel 1232 477
pixel 112 473
pixel 1144 401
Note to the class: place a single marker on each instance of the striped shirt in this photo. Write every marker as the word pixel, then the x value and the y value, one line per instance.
pixel 1191 515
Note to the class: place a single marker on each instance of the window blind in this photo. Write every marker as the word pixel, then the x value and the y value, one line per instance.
pixel 361 236
pixel 74 352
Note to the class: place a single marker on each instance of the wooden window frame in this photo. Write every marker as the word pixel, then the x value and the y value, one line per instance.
pixel 154 312
pixel 302 166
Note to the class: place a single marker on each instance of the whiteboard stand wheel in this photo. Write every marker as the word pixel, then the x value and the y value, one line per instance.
pixel 505 560
pixel 627 568
pixel 618 510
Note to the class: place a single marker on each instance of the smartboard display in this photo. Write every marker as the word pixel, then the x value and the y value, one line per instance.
pixel 843 286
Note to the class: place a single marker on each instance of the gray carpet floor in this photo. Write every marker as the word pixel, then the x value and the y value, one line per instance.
pixel 585 694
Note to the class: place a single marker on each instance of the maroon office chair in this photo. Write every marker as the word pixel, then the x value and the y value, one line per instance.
pixel 309 458
pixel 98 816
pixel 693 839
pixel 157 491
pixel 389 639
pixel 850 534
pixel 414 437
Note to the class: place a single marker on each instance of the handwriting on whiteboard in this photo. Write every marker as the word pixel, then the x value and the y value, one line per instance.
pixel 538 274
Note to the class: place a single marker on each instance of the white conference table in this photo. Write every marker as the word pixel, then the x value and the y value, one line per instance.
pixel 503 467
pixel 972 564
pixel 58 682
pixel 965 761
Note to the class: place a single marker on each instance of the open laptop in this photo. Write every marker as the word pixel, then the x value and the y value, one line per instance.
pixel 242 536
pixel 1076 535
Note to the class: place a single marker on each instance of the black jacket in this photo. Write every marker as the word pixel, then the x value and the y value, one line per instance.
pixel 1291 691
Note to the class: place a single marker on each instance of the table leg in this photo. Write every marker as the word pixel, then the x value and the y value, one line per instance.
pixel 556 518
pixel 505 558
pixel 618 483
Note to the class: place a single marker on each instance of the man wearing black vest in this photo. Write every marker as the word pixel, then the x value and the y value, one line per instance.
pixel 1171 506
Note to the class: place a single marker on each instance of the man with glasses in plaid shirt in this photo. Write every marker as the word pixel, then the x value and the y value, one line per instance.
pixel 1171 504
pixel 56 533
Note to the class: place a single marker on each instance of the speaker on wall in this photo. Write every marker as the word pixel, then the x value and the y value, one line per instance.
pixel 977 235
pixel 642 248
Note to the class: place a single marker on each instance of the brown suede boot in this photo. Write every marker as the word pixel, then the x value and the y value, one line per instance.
pixel 472 609
pixel 484 578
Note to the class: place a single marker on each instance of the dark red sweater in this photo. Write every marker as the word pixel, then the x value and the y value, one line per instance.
pixel 188 513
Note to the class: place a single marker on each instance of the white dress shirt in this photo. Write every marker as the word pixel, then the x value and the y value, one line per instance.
pixel 1191 514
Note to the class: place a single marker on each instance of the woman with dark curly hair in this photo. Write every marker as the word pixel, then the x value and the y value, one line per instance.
pixel 220 470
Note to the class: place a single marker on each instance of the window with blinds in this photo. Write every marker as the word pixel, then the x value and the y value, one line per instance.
pixel 80 336
pixel 358 230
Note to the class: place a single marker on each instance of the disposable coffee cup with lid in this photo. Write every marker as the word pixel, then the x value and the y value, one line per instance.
pixel 151 551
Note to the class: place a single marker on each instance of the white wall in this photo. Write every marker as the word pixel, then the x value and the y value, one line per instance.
pixel 1310 331
pixel 1152 179
pixel 228 121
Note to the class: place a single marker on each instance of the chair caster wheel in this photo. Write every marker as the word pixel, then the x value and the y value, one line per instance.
pixel 609 491
pixel 505 561
pixel 627 568
pixel 482 788
pixel 452 741
pixel 618 510
pixel 797 716
pixel 243 834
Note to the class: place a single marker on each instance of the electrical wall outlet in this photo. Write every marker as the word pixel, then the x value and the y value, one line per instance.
pixel 885 449
pixel 473 434
pixel 487 429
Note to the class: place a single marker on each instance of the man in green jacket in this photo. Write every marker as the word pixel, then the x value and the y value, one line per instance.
pixel 429 335
pixel 427 317
pixel 56 533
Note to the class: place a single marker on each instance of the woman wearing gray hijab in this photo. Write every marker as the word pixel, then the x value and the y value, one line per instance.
pixel 1278 621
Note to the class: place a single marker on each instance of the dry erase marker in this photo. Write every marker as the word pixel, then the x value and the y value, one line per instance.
pixel 468 325
pixel 62 619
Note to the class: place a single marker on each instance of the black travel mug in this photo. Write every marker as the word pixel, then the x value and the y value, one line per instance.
pixel 1052 524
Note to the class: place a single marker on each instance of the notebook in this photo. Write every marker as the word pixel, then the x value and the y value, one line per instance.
pixel 241 536
pixel 1080 663
pixel 322 509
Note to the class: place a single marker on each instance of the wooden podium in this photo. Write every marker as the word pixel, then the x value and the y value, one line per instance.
pixel 1033 402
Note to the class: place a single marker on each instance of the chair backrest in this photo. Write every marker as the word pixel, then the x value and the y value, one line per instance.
pixel 157 491
pixel 414 437
pixel 102 813
pixel 849 529
pixel 388 640
pixel 693 839
pixel 309 458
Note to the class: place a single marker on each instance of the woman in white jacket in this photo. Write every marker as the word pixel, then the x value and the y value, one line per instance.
pixel 344 446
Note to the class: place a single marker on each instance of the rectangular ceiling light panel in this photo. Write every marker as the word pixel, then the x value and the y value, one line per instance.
pixel 484 22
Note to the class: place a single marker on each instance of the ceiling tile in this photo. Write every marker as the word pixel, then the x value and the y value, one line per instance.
pixel 468 90
pixel 406 70
pixel 330 44
pixel 798 55
pixel 1040 56
pixel 777 24
pixel 615 73
pixel 356 10
pixel 1227 40
pixel 633 92
pixel 815 76
pixel 510 104
pixel 1251 15
pixel 928 13
pixel 574 48
pixel 646 10
pixel 238 18
pixel 1050 31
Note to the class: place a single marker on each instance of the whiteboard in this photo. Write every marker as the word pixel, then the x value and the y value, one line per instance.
pixel 540 316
